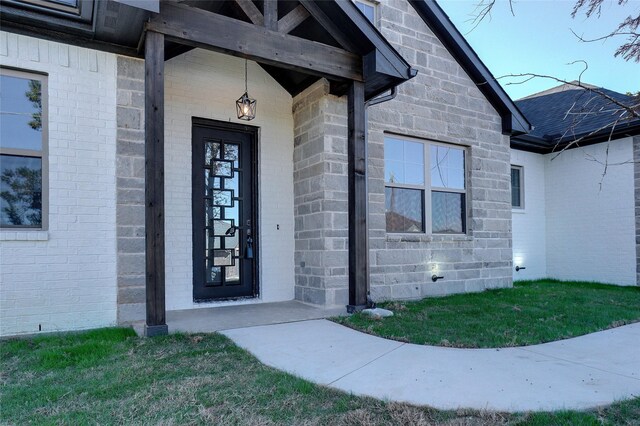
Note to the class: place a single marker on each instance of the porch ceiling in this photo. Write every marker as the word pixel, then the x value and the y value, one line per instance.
pixel 295 41
pixel 330 39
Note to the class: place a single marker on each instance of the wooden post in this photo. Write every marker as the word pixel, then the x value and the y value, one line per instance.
pixel 358 232
pixel 154 184
pixel 271 14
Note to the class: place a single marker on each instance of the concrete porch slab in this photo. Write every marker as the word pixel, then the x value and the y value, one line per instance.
pixel 208 320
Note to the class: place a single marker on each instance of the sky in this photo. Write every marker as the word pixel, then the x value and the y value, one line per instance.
pixel 538 39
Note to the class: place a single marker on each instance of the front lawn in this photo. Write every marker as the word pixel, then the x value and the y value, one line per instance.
pixel 529 313
pixel 110 376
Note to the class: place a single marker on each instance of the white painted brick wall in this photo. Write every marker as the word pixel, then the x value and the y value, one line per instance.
pixel 65 278
pixel 571 229
pixel 590 231
pixel 529 224
pixel 205 84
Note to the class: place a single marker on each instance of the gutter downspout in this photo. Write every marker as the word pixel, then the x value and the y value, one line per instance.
pixel 371 102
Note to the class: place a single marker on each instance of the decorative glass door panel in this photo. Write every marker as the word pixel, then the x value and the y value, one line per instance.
pixel 224 194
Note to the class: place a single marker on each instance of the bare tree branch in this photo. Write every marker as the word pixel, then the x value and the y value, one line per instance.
pixel 629 50
pixel 483 10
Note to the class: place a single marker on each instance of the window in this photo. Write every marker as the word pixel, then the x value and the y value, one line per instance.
pixel 517 187
pixel 423 177
pixel 23 135
pixel 369 8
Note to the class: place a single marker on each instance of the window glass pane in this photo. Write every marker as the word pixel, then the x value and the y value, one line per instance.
pixel 448 212
pixel 20 191
pixel 404 210
pixel 404 162
pixel 368 10
pixel 394 171
pixel 516 200
pixel 447 167
pixel 20 113
pixel 393 149
pixel 72 3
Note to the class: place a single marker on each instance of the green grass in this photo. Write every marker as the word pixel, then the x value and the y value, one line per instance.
pixel 529 313
pixel 110 376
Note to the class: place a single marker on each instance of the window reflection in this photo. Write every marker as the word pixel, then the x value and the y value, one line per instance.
pixel 21 144
pixel 20 191
pixel 404 210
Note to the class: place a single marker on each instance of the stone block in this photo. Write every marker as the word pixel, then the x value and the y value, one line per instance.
pixel 129 118
pixel 128 295
pixel 131 264
pixel 130 68
pixel 131 245
pixel 130 313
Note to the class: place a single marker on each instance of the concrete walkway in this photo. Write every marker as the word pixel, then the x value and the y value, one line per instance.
pixel 579 373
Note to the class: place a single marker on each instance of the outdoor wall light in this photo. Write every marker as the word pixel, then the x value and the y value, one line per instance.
pixel 518 268
pixel 246 106
pixel 435 278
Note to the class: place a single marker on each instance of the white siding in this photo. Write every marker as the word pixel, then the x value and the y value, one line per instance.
pixel 590 230
pixel 205 84
pixel 529 228
pixel 65 278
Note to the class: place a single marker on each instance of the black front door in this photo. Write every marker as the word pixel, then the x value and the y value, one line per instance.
pixel 224 210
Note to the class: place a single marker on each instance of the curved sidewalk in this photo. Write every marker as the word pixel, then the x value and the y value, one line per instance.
pixel 579 373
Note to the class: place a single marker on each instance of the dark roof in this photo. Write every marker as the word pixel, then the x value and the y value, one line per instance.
pixel 513 121
pixel 564 116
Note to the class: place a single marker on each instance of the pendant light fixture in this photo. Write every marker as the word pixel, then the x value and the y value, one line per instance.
pixel 246 106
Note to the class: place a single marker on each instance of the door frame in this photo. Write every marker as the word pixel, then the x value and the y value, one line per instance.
pixel 254 134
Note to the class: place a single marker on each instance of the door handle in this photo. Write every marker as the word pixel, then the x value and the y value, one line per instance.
pixel 248 248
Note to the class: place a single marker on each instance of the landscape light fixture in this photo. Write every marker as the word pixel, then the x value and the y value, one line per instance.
pixel 518 268
pixel 435 278
pixel 246 106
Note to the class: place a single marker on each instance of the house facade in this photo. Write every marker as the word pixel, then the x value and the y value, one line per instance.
pixel 576 199
pixel 376 166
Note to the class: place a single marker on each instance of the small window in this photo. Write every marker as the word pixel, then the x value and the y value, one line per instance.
pixel 517 187
pixel 23 135
pixel 425 187
pixel 369 8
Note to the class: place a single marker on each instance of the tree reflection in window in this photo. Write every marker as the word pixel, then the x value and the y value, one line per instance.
pixel 21 145
pixel 21 191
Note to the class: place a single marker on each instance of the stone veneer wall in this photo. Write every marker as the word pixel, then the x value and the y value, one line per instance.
pixel 130 190
pixel 320 203
pixel 442 104
pixel 636 178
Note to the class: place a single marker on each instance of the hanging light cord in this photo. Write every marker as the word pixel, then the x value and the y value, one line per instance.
pixel 245 76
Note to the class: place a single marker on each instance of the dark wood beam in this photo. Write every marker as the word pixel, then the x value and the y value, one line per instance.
pixel 251 11
pixel 199 28
pixel 271 14
pixel 333 28
pixel 357 204
pixel 154 184
pixel 292 19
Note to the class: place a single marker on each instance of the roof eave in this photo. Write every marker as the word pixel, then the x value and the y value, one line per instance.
pixel 543 146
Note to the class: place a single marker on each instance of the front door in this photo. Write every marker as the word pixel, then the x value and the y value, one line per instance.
pixel 224 210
